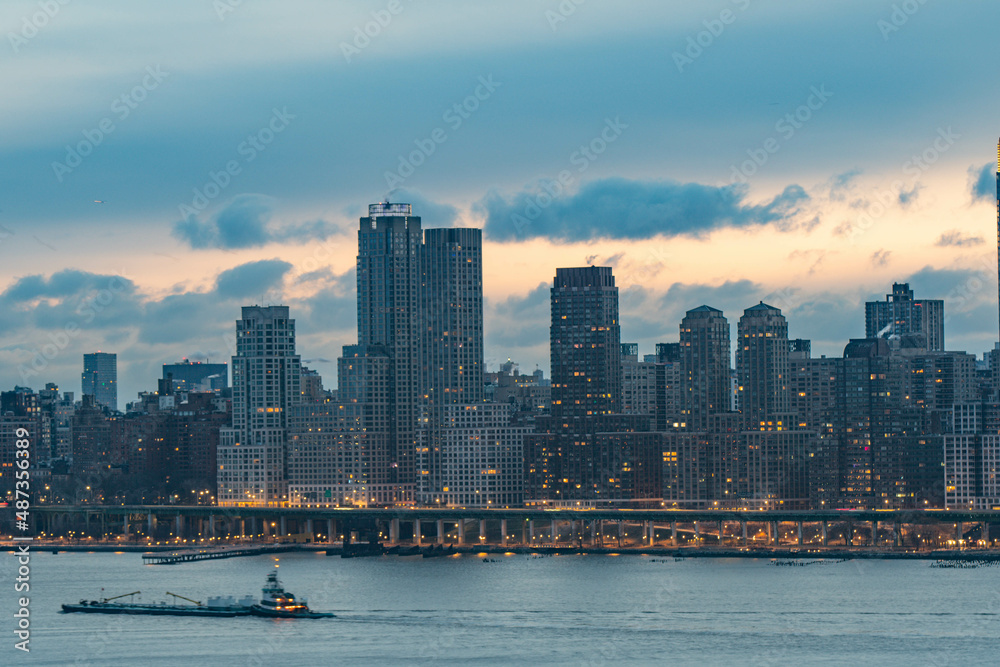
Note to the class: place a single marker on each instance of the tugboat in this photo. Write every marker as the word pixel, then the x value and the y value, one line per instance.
pixel 277 603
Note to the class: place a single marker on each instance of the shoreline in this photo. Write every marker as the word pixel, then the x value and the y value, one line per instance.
pixel 444 551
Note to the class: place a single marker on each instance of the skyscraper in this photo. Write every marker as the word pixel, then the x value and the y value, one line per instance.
pixel 704 347
pixel 389 275
pixel 450 316
pixel 585 344
pixel 586 452
pixel 906 321
pixel 762 367
pixel 266 384
pixel 100 378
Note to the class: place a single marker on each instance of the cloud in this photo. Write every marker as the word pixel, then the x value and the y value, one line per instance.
pixel 621 208
pixel 983 182
pixel 907 197
pixel 841 184
pixel 955 237
pixel 245 223
pixel 70 297
pixel 432 213
pixel 880 257
pixel 251 279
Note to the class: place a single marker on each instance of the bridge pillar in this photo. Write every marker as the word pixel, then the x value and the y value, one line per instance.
pixel 650 533
pixel 309 530
pixel 524 532
pixel 503 532
pixel 439 525
pixel 460 530
pixel 211 526
pixel 393 531
pixel 958 532
pixel 697 534
pixel 800 533
pixel 673 533
pixel 553 531
pixel 621 532
pixel 282 526
pixel 775 536
pixel 179 527
pixel 897 535
pixel 531 530
pixel 986 532
pixel 416 532
pixel 253 528
pixel 743 527
pixel 482 531
pixel 331 533
pixel 721 531
pixel 124 527
pixel 826 542
pixel 151 524
pixel 593 533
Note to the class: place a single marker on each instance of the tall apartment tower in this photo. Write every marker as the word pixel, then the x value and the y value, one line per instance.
pixel 100 378
pixel 459 438
pixel 586 452
pixel 389 275
pixel 704 345
pixel 450 316
pixel 906 321
pixel 585 344
pixel 998 218
pixel 267 376
pixel 762 367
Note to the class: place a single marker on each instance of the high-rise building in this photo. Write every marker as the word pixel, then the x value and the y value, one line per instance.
pixel 585 344
pixel 704 346
pixel 266 385
pixel 450 316
pixel 100 378
pixel 197 376
pixel 389 276
pixel 762 368
pixel 905 321
pixel 588 453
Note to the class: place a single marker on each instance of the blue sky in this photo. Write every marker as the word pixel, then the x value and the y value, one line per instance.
pixel 804 153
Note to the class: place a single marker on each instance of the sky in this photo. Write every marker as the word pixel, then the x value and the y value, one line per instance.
pixel 163 164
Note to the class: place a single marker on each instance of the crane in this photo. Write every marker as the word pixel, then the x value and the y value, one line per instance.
pixel 123 595
pixel 184 598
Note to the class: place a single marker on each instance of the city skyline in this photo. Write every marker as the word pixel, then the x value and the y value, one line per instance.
pixel 854 179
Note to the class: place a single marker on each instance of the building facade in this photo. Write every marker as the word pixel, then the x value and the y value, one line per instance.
pixel 100 378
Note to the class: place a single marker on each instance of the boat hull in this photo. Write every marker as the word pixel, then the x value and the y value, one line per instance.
pixel 155 610
pixel 258 610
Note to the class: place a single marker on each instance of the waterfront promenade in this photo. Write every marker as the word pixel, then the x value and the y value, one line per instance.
pixel 592 530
